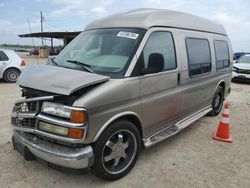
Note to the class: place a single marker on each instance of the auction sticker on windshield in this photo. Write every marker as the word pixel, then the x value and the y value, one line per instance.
pixel 127 35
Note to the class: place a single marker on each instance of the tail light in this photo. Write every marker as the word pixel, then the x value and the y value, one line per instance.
pixel 22 63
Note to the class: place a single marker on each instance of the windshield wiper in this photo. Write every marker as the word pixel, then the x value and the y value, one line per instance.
pixel 53 61
pixel 83 65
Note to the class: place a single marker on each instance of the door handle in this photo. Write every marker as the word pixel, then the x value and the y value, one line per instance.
pixel 178 78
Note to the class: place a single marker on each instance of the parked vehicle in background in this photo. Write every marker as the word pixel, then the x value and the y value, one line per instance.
pixel 11 65
pixel 128 81
pixel 34 51
pixel 237 55
pixel 241 69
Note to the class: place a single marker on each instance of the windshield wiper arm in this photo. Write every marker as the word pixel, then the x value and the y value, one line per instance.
pixel 53 61
pixel 83 65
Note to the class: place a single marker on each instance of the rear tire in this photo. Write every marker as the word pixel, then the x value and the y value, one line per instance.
pixel 11 75
pixel 116 151
pixel 217 102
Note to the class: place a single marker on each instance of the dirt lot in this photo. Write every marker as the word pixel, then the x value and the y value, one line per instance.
pixel 189 159
pixel 32 59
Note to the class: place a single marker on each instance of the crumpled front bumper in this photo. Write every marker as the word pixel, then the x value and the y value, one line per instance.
pixel 64 156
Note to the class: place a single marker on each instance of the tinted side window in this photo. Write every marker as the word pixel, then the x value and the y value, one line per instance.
pixel 161 42
pixel 221 54
pixel 199 59
pixel 3 56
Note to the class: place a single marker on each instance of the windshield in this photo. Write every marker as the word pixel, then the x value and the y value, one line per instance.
pixel 244 59
pixel 102 51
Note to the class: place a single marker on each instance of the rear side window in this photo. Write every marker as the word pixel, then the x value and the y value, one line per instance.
pixel 221 54
pixel 161 42
pixel 3 56
pixel 199 58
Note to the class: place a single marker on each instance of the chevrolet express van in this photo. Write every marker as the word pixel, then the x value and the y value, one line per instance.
pixel 128 81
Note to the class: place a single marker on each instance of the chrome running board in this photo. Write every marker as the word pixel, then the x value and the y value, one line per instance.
pixel 176 128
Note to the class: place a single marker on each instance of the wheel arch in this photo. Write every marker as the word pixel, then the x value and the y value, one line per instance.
pixel 128 115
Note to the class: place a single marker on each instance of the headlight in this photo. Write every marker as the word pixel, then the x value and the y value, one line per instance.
pixel 53 128
pixel 56 109
pixel 234 69
pixel 64 131
pixel 75 115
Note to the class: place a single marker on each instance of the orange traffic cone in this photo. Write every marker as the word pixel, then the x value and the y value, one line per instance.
pixel 223 132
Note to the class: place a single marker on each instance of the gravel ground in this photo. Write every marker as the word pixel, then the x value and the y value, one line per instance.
pixel 189 159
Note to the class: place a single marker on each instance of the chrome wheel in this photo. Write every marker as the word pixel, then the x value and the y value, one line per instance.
pixel 119 151
pixel 116 150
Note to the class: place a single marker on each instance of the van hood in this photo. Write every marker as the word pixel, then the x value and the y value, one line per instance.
pixel 57 80
pixel 244 66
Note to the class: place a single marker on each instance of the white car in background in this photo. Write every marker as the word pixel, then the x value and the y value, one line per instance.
pixel 241 68
pixel 11 65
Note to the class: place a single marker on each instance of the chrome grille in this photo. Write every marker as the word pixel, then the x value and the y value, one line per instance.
pixel 25 107
pixel 23 122
pixel 23 114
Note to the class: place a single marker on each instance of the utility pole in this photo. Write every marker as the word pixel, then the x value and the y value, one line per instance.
pixel 32 37
pixel 30 32
pixel 41 15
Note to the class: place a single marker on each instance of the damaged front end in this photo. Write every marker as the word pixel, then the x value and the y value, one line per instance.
pixel 45 136
pixel 46 124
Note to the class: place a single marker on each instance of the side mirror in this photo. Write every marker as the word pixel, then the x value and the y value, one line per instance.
pixel 155 63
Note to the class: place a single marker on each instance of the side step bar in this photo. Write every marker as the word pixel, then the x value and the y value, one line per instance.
pixel 176 128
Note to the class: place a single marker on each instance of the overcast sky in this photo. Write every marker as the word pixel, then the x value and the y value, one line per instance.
pixel 73 15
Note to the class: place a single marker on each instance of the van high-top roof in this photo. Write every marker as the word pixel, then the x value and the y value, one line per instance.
pixel 146 18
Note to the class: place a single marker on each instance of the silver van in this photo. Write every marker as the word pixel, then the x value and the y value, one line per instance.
pixel 127 82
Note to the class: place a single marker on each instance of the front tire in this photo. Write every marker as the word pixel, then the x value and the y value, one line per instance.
pixel 11 75
pixel 116 151
pixel 217 102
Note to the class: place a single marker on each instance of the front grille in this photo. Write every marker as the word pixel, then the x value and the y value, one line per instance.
pixel 23 122
pixel 242 71
pixel 24 114
pixel 27 107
